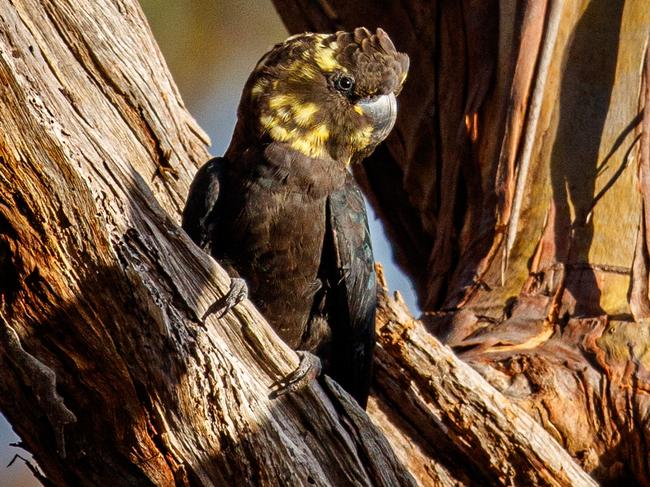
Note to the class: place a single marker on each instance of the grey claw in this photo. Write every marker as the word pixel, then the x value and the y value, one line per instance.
pixel 308 369
pixel 236 294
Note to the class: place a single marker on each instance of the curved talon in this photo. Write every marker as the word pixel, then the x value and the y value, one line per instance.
pixel 308 369
pixel 236 294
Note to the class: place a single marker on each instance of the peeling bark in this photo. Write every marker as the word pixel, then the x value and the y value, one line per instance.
pixel 480 435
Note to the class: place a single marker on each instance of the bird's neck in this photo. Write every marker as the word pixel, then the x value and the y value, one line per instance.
pixel 284 168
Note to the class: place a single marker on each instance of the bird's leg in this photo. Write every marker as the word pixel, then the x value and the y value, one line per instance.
pixel 308 370
pixel 236 294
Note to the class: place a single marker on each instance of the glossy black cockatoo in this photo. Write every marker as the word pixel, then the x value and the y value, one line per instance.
pixel 281 210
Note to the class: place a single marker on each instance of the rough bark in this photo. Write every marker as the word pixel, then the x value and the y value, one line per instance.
pixel 522 148
pixel 447 423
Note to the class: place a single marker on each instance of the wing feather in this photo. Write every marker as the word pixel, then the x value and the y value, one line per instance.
pixel 353 297
pixel 200 215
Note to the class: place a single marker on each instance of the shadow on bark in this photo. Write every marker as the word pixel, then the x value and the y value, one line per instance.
pixel 585 90
pixel 136 368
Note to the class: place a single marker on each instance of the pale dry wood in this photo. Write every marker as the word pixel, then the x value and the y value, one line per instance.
pixel 486 436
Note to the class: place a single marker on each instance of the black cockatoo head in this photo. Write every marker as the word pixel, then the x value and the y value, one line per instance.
pixel 326 95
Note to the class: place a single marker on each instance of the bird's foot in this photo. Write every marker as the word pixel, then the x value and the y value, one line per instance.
pixel 308 369
pixel 236 294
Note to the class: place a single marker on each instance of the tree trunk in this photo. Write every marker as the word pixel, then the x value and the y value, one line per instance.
pixel 106 371
pixel 523 152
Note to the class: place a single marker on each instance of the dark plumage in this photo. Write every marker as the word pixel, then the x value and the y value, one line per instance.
pixel 282 211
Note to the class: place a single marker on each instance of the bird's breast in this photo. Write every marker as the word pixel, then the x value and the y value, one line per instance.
pixel 275 242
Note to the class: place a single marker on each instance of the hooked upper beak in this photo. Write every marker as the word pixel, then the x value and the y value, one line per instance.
pixel 382 112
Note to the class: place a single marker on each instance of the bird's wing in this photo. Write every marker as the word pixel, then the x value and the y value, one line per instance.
pixel 352 298
pixel 199 214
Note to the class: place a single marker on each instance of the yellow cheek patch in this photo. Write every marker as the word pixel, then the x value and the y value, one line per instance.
pixel 274 128
pixel 360 139
pixel 303 113
pixel 358 109
pixel 288 107
pixel 267 122
pixel 279 133
pixel 321 132
pixel 282 100
pixel 303 146
pixel 312 144
pixel 284 114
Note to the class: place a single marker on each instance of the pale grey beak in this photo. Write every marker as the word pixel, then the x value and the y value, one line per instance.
pixel 382 112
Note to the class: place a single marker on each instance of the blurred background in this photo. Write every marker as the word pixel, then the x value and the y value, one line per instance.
pixel 211 46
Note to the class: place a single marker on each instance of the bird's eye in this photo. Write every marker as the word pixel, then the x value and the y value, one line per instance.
pixel 344 83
